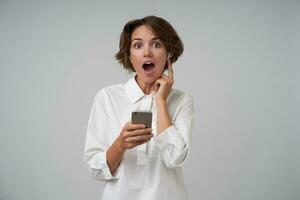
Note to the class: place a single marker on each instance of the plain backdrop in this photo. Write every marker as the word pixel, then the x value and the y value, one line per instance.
pixel 241 65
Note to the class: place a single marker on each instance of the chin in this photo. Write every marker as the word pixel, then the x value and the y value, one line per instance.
pixel 148 79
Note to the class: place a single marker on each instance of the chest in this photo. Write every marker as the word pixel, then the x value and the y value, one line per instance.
pixel 121 111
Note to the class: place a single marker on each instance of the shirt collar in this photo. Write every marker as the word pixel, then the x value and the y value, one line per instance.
pixel 134 92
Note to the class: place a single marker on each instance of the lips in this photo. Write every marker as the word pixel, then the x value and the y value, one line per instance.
pixel 148 66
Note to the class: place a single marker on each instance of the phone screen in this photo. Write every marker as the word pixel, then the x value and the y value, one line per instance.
pixel 142 117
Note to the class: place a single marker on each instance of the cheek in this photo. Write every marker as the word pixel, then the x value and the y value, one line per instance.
pixel 135 57
pixel 135 60
pixel 162 58
pixel 136 63
pixel 163 61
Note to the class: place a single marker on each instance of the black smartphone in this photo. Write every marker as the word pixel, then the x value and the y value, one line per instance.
pixel 142 117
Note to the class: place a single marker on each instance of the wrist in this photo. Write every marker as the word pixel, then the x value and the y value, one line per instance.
pixel 161 101
pixel 118 146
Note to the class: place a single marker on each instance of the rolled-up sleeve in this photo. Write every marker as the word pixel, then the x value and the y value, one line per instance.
pixel 96 143
pixel 174 142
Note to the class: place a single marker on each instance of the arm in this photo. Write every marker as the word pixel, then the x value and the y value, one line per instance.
pixel 163 87
pixel 101 159
pixel 163 116
pixel 173 139
pixel 96 143
pixel 114 156
pixel 131 136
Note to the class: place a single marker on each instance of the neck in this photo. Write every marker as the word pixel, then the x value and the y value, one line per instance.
pixel 146 87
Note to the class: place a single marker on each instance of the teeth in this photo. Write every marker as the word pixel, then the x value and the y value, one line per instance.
pixel 148 63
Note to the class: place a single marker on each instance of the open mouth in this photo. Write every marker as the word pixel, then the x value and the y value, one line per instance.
pixel 148 66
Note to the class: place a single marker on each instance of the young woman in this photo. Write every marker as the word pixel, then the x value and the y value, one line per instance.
pixel 137 162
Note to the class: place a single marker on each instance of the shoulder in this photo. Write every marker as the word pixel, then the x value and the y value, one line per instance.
pixel 109 91
pixel 180 96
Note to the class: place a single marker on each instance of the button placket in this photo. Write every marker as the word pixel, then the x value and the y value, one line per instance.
pixel 142 149
pixel 154 115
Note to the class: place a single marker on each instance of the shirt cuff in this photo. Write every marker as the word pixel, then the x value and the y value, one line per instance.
pixel 101 170
pixel 106 169
pixel 168 137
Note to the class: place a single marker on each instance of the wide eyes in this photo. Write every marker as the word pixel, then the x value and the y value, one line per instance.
pixel 155 44
pixel 137 45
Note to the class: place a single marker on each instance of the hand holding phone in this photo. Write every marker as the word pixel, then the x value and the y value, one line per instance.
pixel 133 134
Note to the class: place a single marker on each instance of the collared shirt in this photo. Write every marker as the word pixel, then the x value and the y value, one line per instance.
pixel 151 171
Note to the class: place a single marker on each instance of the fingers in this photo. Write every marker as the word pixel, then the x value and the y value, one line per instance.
pixel 134 135
pixel 134 144
pixel 156 85
pixel 169 78
pixel 139 138
pixel 165 80
pixel 170 68
pixel 131 130
pixel 141 132
pixel 131 127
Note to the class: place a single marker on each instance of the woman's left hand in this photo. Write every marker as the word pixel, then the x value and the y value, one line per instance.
pixel 164 84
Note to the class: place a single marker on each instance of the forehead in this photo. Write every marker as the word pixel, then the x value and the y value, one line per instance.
pixel 143 32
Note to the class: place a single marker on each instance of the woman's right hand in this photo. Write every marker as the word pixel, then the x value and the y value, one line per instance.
pixel 133 135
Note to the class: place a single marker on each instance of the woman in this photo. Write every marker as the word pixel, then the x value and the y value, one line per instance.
pixel 137 162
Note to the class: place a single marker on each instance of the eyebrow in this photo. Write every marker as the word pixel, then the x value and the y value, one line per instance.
pixel 140 39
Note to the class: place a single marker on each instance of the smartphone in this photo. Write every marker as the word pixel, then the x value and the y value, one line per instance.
pixel 142 117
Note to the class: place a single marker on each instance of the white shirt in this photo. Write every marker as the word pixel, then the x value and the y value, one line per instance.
pixel 150 171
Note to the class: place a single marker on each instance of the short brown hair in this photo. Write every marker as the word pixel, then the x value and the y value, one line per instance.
pixel 160 27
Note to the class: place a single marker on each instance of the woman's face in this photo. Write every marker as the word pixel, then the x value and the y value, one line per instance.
pixel 148 55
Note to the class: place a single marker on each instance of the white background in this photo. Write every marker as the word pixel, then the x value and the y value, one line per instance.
pixel 241 65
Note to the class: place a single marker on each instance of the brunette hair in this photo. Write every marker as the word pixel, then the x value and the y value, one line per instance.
pixel 160 27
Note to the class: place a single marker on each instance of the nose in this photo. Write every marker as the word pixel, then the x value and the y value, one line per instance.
pixel 147 53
